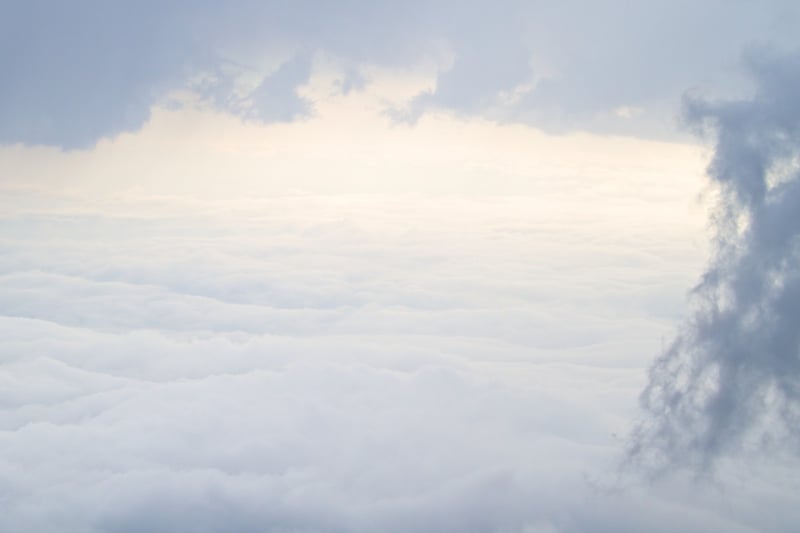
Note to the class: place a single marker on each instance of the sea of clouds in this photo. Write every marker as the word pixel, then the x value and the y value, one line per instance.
pixel 350 362
pixel 298 267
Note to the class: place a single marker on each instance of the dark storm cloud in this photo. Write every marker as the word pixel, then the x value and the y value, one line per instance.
pixel 731 380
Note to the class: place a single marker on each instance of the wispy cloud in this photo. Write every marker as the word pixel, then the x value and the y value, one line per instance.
pixel 731 380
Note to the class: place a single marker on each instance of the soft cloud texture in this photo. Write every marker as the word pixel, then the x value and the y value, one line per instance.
pixel 730 380
pixel 324 363
pixel 403 361
pixel 75 73
pixel 305 266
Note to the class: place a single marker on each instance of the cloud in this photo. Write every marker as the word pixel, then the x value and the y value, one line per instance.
pixel 276 99
pixel 76 73
pixel 442 330
pixel 324 363
pixel 80 73
pixel 729 382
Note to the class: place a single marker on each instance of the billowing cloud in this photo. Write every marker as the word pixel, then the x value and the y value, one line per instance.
pixel 325 362
pixel 730 382
pixel 252 301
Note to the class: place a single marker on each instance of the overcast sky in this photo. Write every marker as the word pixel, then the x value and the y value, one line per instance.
pixel 408 266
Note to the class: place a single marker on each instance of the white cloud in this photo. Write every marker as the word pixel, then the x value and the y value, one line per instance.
pixel 187 345
pixel 320 363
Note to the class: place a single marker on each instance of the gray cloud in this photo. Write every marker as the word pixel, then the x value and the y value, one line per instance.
pixel 74 74
pixel 276 100
pixel 730 382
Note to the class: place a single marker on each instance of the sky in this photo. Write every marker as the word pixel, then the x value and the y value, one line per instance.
pixel 402 266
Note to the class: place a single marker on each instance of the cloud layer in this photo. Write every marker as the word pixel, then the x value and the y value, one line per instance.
pixel 302 274
pixel 341 362
pixel 77 73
